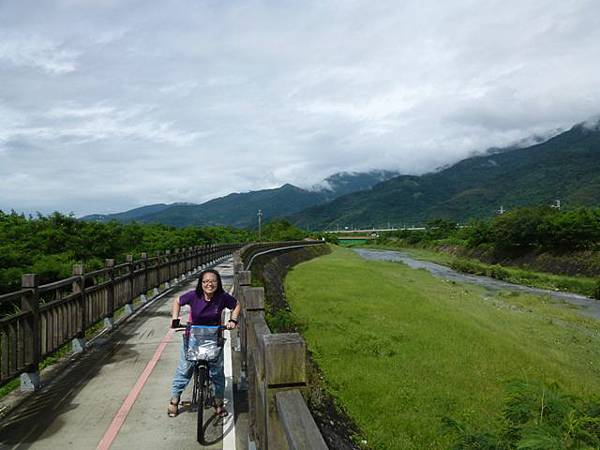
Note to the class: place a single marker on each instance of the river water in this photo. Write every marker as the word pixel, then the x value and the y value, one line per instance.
pixel 589 306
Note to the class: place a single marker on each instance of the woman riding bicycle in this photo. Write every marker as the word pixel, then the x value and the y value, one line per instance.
pixel 207 303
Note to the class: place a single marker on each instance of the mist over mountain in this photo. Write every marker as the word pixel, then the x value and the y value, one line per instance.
pixel 345 182
pixel 565 167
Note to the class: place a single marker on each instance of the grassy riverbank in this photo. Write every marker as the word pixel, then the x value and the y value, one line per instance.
pixel 588 286
pixel 401 350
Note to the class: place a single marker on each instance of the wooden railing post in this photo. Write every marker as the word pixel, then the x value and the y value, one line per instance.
pixel 128 307
pixel 176 259
pixel 241 280
pixel 238 265
pixel 251 303
pixel 30 302
pixel 158 273
pixel 144 288
pixel 109 321
pixel 175 264
pixel 252 326
pixel 204 255
pixel 78 287
pixel 257 328
pixel 175 267
pixel 252 299
pixel 169 269
pixel 285 369
pixel 182 264
pixel 186 259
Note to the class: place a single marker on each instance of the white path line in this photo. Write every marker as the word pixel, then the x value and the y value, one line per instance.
pixel 229 440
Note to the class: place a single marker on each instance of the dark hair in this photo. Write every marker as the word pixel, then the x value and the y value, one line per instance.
pixel 219 290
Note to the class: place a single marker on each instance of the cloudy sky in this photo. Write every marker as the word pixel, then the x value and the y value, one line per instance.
pixel 110 105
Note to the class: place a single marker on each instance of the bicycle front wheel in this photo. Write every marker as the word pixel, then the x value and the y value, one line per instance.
pixel 201 390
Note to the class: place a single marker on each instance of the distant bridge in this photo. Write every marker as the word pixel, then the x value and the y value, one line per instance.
pixel 368 231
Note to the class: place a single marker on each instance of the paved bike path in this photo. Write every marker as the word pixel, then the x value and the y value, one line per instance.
pixel 82 406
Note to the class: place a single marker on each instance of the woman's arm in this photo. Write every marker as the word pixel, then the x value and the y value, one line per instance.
pixel 234 317
pixel 175 313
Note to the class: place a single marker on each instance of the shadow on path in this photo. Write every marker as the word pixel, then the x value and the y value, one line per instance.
pixel 40 412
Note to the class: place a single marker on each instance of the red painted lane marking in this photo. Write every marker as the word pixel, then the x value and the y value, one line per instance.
pixel 119 419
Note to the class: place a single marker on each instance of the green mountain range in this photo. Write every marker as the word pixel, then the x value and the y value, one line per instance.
pixel 240 209
pixel 566 167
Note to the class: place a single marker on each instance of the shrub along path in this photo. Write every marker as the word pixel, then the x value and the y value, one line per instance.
pixel 401 349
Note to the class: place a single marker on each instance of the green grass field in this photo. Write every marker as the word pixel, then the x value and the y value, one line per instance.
pixel 401 349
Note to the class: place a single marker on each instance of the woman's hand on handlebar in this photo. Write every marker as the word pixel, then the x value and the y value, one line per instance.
pixel 175 323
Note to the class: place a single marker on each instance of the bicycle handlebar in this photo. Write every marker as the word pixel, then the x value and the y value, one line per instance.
pixel 221 327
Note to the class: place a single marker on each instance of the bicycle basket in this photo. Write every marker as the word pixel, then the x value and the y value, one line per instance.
pixel 202 343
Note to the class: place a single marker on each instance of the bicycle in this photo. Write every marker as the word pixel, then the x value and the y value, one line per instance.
pixel 203 344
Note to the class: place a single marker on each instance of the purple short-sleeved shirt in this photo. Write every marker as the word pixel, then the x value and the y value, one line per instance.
pixel 207 313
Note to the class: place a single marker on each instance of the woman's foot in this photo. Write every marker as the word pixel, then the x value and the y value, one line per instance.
pixel 173 404
pixel 220 410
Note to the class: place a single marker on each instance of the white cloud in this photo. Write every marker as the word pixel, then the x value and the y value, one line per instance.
pixel 65 112
pixel 593 123
pixel 72 125
pixel 37 52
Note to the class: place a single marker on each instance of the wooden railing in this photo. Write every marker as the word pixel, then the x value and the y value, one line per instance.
pixel 52 315
pixel 275 366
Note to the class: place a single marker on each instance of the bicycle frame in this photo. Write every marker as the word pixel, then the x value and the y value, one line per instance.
pixel 201 395
pixel 201 392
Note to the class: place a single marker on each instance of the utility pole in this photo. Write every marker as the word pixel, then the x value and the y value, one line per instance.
pixel 501 210
pixel 556 204
pixel 260 214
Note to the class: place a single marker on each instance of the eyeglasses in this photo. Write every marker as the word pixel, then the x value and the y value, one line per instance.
pixel 209 281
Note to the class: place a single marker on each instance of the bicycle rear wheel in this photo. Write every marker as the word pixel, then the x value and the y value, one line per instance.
pixel 201 396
